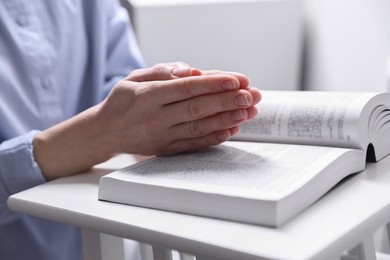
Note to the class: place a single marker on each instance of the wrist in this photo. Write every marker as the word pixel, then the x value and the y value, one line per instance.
pixel 70 147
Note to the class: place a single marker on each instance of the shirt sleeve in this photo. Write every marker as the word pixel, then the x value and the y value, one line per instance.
pixel 123 52
pixel 18 170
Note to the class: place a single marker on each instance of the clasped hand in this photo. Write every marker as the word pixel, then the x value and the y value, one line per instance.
pixel 171 108
pixel 162 110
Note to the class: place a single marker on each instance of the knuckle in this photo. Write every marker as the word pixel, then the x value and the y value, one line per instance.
pixel 194 128
pixel 194 110
pixel 135 74
pixel 193 144
pixel 185 89
pixel 158 69
pixel 170 149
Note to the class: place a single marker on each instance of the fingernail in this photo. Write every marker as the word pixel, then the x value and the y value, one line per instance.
pixel 180 71
pixel 223 137
pixel 242 101
pixel 229 85
pixel 238 115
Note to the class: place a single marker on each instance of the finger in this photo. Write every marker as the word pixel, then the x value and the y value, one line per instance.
pixel 184 70
pixel 243 79
pixel 163 71
pixel 256 95
pixel 166 92
pixel 252 112
pixel 193 144
pixel 205 126
pixel 207 105
pixel 180 69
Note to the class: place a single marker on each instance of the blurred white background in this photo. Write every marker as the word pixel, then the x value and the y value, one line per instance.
pixel 261 38
pixel 346 42
pixel 348 45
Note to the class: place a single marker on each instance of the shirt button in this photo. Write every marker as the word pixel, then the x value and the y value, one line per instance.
pixel 46 83
pixel 22 21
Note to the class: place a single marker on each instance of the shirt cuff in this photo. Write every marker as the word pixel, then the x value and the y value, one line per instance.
pixel 18 168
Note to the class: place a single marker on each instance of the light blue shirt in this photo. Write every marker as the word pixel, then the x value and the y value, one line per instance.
pixel 57 58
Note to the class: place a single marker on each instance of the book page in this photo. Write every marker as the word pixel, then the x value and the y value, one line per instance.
pixel 304 117
pixel 256 170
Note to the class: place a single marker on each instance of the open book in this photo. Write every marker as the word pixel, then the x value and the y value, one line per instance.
pixel 299 146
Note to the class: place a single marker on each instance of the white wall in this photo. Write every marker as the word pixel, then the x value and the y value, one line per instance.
pixel 261 38
pixel 348 45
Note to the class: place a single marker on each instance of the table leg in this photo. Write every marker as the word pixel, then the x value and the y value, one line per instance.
pixel 132 250
pixel 99 246
pixel 184 256
pixel 364 251
pixel 388 74
pixel 160 253
pixel 91 244
pixel 112 247
pixel 146 251
pixel 203 258
pixel 388 233
pixel 149 252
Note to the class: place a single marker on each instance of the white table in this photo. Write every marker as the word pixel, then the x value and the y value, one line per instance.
pixel 344 219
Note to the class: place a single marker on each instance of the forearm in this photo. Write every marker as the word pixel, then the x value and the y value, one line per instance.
pixel 71 147
pixel 88 138
pixel 152 117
